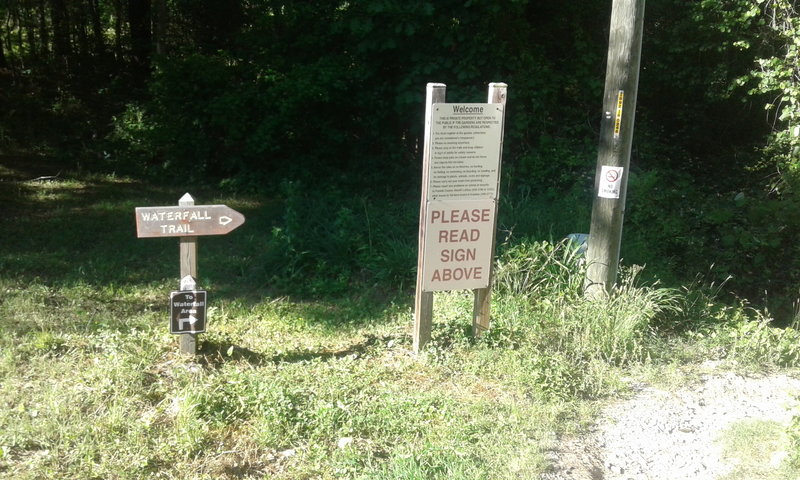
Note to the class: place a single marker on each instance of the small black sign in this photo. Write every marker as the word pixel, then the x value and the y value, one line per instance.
pixel 188 311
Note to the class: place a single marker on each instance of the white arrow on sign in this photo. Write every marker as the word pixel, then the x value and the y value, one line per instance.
pixel 182 321
pixel 225 220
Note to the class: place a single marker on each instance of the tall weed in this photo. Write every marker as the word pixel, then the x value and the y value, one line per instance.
pixel 550 277
pixel 617 328
pixel 545 335
pixel 540 270
pixel 757 343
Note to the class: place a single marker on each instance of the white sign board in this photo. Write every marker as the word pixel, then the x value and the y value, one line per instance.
pixel 466 140
pixel 458 244
pixel 610 181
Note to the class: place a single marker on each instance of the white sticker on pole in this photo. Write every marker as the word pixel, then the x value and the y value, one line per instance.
pixel 610 182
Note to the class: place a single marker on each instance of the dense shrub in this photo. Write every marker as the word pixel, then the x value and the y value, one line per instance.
pixel 678 226
pixel 328 241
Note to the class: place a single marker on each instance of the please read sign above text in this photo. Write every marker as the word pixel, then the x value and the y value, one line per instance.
pixel 458 244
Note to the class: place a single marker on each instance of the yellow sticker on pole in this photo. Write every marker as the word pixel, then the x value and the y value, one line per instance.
pixel 618 118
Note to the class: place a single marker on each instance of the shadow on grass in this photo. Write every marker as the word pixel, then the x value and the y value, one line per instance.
pixel 79 230
pixel 214 354
pixel 82 228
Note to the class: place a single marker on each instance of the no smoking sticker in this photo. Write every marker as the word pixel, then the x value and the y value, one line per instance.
pixel 610 181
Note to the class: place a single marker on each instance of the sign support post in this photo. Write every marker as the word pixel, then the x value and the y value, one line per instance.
pixel 614 152
pixel 188 253
pixel 423 301
pixel 483 296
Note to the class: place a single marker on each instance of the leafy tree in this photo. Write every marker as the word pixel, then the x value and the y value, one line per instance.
pixel 300 88
pixel 778 75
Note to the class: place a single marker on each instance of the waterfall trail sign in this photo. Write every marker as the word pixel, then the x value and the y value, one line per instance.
pixel 186 221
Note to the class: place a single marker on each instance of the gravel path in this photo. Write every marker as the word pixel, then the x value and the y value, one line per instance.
pixel 671 435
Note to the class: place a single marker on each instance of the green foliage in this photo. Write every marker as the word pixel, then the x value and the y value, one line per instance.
pixel 552 341
pixel 93 387
pixel 617 329
pixel 777 76
pixel 614 329
pixel 258 93
pixel 749 237
pixel 759 342
pixel 748 443
pixel 329 241
pixel 290 108
pixel 794 436
pixel 693 55
pixel 541 271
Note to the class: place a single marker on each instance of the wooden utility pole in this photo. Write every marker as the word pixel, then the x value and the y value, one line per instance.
pixel 614 153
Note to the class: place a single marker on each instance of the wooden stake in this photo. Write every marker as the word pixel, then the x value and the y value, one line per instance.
pixel 423 301
pixel 483 296
pixel 188 256
pixel 616 135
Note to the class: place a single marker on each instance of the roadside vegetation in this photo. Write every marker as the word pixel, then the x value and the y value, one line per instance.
pixel 303 374
pixel 308 118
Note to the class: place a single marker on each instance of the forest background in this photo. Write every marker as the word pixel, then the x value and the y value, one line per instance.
pixel 320 103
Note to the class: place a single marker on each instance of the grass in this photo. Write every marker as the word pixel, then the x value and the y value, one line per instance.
pixel 289 385
pixel 757 449
pixel 274 394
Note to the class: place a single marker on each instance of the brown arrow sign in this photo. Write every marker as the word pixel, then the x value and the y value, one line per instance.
pixel 186 221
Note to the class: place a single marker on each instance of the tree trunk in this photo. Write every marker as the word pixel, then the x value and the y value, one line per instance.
pixel 160 27
pixel 118 29
pixel 5 39
pixel 44 30
pixel 61 43
pixel 141 36
pixel 3 62
pixel 80 30
pixel 20 42
pixel 97 27
pixel 30 33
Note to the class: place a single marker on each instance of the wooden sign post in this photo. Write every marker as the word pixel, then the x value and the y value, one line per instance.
pixel 188 262
pixel 614 152
pixel 458 209
pixel 187 221
pixel 483 296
